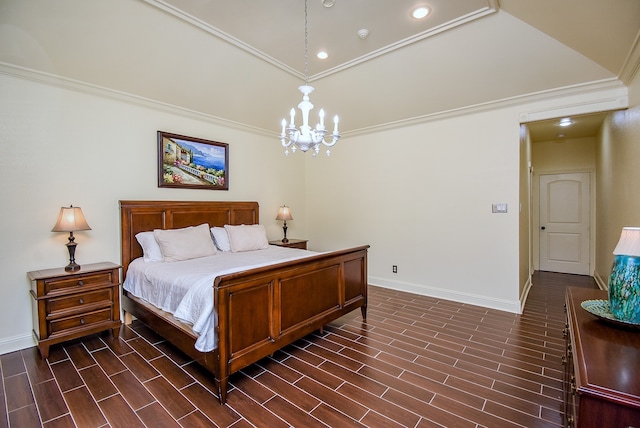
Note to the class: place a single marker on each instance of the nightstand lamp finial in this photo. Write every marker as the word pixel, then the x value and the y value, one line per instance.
pixel 71 219
pixel 284 213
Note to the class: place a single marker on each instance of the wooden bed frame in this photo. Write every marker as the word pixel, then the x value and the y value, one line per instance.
pixel 259 310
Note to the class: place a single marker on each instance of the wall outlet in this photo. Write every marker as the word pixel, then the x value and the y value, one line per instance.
pixel 395 269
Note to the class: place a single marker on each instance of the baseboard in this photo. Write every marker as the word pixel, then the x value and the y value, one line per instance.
pixel 602 284
pixel 16 343
pixel 525 293
pixel 424 290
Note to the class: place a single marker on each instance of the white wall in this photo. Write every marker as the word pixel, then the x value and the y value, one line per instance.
pixel 420 195
pixel 618 204
pixel 525 216
pixel 62 147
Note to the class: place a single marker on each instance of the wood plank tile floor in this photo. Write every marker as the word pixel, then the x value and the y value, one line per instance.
pixel 416 362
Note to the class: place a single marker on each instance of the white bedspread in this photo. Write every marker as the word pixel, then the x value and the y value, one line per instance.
pixel 185 288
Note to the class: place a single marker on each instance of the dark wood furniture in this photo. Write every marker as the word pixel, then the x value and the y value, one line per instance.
pixel 68 305
pixel 291 243
pixel 259 310
pixel 602 368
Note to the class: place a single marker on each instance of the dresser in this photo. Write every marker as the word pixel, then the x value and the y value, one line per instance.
pixel 68 305
pixel 601 368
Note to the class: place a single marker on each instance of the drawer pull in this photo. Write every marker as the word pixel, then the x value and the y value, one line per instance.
pixel 81 301
pixel 80 283
pixel 81 320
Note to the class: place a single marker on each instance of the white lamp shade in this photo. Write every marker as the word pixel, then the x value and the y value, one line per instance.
pixel 70 219
pixel 629 244
pixel 284 213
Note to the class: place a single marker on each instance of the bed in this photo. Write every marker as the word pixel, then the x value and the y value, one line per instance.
pixel 259 310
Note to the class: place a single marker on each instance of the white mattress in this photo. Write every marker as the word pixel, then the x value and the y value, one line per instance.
pixel 184 288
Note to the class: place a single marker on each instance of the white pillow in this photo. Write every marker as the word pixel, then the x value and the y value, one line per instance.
pixel 183 244
pixel 150 248
pixel 221 238
pixel 247 237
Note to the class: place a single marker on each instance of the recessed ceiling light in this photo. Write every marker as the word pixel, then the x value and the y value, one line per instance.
pixel 565 121
pixel 363 33
pixel 322 55
pixel 420 12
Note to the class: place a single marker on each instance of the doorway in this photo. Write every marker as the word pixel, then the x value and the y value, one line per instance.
pixel 565 222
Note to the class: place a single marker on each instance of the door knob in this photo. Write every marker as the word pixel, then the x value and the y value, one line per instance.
pixel 543 228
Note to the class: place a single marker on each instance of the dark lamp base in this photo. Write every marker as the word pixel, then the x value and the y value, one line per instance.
pixel 72 267
pixel 71 246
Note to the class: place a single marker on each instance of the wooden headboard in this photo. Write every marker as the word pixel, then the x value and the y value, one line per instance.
pixel 141 216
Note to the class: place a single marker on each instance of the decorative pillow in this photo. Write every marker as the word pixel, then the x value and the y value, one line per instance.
pixel 150 248
pixel 247 237
pixel 183 244
pixel 221 238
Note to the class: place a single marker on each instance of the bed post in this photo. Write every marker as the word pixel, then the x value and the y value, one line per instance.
pixel 223 384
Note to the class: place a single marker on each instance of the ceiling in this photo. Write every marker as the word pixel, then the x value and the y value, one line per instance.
pixel 241 61
pixel 275 31
pixel 582 126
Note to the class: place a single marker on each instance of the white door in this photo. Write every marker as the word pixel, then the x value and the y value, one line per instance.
pixel 564 223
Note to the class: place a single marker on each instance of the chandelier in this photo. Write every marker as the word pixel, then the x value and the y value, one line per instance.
pixel 307 137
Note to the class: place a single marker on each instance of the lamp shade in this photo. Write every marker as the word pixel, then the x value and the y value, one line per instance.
pixel 284 213
pixel 629 243
pixel 70 219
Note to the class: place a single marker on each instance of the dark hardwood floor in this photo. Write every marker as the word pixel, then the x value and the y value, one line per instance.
pixel 416 362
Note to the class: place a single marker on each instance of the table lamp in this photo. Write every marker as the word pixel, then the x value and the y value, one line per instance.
pixel 624 282
pixel 71 219
pixel 284 213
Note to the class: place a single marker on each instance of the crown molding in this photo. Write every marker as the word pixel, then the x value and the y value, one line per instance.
pixel 91 89
pixel 632 62
pixel 617 100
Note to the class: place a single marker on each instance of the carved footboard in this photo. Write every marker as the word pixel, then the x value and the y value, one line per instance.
pixel 265 309
pixel 259 310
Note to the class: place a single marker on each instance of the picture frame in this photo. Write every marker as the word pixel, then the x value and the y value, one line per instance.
pixel 192 163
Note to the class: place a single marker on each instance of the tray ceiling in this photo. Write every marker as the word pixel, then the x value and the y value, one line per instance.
pixel 241 61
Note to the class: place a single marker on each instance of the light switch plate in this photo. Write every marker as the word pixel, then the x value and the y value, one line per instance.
pixel 499 208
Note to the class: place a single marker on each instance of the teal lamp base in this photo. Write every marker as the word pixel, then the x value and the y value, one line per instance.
pixel 624 288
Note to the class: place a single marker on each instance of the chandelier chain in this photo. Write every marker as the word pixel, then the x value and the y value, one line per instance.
pixel 306 46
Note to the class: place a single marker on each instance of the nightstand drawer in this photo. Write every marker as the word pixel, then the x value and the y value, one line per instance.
pixel 77 282
pixel 79 302
pixel 82 320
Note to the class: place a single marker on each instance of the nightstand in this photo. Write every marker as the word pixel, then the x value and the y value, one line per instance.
pixel 68 305
pixel 292 243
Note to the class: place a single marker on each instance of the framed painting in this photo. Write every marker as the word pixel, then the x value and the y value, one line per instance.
pixel 192 163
